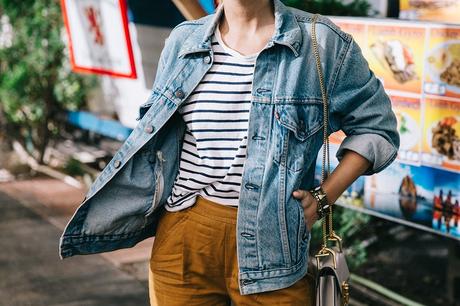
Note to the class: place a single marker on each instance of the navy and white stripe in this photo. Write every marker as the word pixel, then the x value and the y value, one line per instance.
pixel 216 115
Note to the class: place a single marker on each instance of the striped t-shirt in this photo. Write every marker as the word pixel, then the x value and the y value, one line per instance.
pixel 216 115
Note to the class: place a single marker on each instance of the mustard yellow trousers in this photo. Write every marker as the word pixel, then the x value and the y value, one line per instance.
pixel 194 262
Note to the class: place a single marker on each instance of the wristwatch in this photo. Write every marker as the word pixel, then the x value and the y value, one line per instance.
pixel 322 208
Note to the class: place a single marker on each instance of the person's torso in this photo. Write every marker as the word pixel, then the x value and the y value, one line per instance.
pixel 284 135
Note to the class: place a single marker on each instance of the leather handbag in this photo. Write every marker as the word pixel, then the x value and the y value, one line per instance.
pixel 332 274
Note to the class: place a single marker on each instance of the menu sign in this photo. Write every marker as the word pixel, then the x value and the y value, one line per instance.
pixel 419 66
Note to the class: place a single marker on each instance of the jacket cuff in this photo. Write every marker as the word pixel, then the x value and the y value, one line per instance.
pixel 375 148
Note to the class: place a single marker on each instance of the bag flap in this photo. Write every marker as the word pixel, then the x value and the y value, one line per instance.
pixel 326 267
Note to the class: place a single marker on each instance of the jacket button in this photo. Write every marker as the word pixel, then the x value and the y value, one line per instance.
pixel 149 129
pixel 262 90
pixel 257 137
pixel 179 93
pixel 250 186
pixel 207 59
pixel 246 235
pixel 117 163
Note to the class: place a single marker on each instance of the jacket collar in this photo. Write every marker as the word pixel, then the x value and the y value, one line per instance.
pixel 287 31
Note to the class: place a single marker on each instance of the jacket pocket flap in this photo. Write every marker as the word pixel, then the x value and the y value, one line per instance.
pixel 302 119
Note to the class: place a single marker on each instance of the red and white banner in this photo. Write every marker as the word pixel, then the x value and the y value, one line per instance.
pixel 98 37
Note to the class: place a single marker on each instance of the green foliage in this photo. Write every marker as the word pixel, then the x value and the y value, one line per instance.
pixel 334 7
pixel 73 167
pixel 36 83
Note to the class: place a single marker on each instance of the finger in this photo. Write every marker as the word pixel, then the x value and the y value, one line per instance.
pixel 299 193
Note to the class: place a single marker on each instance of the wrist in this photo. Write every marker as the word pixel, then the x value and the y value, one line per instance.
pixel 330 192
pixel 323 204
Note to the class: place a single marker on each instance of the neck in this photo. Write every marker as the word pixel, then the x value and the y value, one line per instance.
pixel 246 16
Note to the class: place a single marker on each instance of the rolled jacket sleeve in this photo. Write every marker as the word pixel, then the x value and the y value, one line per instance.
pixel 360 107
pixel 373 147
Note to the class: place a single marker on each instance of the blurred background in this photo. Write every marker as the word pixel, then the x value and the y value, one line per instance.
pixel 73 74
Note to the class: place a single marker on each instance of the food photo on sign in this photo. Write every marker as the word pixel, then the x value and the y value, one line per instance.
pixel 441 136
pixel 409 118
pixel 395 54
pixel 442 62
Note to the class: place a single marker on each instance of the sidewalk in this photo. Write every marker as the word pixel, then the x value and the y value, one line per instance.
pixel 31 272
pixel 95 277
pixel 56 201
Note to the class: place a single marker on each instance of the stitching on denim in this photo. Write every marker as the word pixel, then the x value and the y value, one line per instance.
pixel 336 73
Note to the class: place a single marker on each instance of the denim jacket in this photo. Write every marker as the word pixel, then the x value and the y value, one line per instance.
pixel 123 205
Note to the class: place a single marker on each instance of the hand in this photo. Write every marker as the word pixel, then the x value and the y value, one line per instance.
pixel 309 205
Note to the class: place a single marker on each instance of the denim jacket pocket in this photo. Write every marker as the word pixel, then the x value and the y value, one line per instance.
pixel 159 184
pixel 294 127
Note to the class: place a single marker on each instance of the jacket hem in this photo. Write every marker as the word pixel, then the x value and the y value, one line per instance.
pixel 78 245
pixel 272 280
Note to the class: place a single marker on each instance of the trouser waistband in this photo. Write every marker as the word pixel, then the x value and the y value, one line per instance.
pixel 212 210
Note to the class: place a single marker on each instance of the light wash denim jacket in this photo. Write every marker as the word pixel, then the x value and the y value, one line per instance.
pixel 122 206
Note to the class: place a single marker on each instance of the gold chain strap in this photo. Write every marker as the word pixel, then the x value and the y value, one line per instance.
pixel 324 172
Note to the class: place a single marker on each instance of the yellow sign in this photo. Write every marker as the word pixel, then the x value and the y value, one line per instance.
pixel 430 10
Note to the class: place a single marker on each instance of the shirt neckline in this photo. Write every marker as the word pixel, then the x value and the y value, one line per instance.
pixel 249 57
